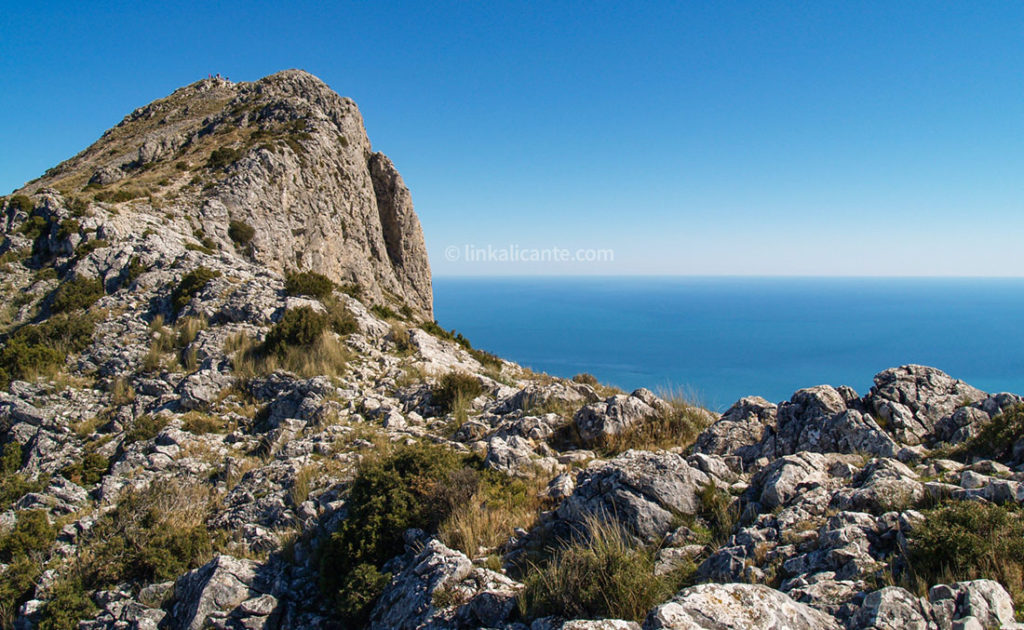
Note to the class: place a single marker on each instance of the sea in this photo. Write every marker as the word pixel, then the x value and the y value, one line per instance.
pixel 717 339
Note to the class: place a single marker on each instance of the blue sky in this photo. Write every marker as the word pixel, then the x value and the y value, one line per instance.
pixel 818 138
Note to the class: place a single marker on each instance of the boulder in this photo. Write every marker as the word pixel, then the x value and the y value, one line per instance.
pixel 736 607
pixel 641 490
pixel 913 399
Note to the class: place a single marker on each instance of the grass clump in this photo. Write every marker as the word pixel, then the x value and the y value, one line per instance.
pixel 304 341
pixel 191 284
pixel 391 493
pixel 454 386
pixel 308 283
pixel 967 540
pixel 78 293
pixel 240 232
pixel 677 425
pixel 495 506
pixel 600 575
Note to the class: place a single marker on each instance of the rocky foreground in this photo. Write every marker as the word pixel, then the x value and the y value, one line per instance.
pixel 203 428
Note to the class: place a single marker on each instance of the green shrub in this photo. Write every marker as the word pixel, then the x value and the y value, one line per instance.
pixel 241 232
pixel 17 583
pixel 435 329
pixel 80 292
pixel 24 550
pixel 359 589
pixel 120 196
pixel 88 470
pixel 68 604
pixel 41 348
pixel 223 157
pixel 34 227
pixel 485 358
pixel 384 312
pixel 602 575
pixel 308 283
pixel 154 534
pixel 298 327
pixel 88 247
pixel 68 228
pixel 21 202
pixel 146 427
pixel 454 386
pixel 191 284
pixel 10 459
pixel 31 533
pixel 390 494
pixel 966 540
pixel 585 379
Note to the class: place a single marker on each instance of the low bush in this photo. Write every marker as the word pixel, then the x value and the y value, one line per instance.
pixel 585 379
pixel 14 485
pixel 68 228
pixel 384 312
pixel 78 293
pixel 600 575
pixel 191 284
pixel 37 349
pixel 967 540
pixel 241 232
pixel 88 470
pixel 23 549
pixel 390 494
pixel 297 327
pixel 454 386
pixel 154 534
pixel 308 283
pixel 21 202
pixel 68 603
pixel 34 227
pixel 435 329
pixel 31 533
pixel 146 427
pixel 120 196
pixel 223 157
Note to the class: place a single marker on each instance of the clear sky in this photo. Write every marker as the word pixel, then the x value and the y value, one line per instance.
pixel 750 138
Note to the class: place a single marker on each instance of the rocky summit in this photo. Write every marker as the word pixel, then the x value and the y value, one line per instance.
pixel 226 405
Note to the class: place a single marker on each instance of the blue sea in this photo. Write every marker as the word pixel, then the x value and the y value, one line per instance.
pixel 720 339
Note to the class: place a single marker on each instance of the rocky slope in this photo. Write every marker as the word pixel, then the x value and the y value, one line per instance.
pixel 191 439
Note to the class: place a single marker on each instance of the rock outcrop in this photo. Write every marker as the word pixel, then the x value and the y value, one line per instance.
pixel 284 155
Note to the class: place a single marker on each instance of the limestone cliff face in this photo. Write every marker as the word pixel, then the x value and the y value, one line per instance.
pixel 285 155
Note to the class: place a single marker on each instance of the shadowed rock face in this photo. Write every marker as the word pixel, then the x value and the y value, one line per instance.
pixel 295 163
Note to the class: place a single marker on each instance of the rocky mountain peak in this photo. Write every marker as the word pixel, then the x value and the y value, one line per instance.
pixel 285 156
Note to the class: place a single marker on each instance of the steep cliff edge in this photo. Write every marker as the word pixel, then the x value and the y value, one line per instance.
pixel 284 155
